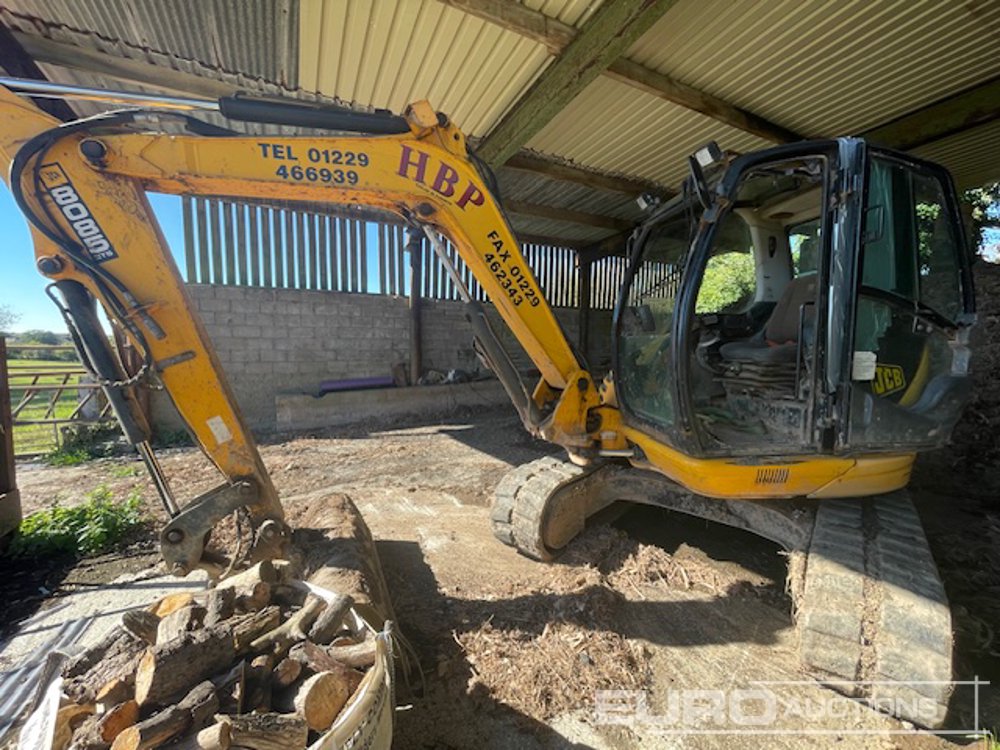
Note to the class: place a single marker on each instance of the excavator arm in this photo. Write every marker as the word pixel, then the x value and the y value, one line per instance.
pixel 82 187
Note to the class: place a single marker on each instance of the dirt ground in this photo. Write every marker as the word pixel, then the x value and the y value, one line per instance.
pixel 512 651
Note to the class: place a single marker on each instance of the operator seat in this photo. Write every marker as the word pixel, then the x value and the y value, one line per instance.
pixel 777 342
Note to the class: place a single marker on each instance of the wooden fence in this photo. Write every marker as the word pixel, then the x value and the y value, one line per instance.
pixel 285 247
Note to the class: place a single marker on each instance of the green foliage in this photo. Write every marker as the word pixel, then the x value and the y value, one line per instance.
pixel 729 279
pixel 984 206
pixel 123 472
pixel 94 526
pixel 86 441
pixel 7 318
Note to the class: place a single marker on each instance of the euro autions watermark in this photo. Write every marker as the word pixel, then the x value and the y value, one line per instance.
pixel 782 707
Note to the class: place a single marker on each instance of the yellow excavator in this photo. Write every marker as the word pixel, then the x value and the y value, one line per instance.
pixel 793 328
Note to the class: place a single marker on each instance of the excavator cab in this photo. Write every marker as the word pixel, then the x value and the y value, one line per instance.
pixel 807 299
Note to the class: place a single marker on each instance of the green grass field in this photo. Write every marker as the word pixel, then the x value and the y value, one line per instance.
pixel 40 438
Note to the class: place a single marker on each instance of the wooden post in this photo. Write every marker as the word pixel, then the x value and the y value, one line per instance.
pixel 415 246
pixel 583 268
pixel 10 497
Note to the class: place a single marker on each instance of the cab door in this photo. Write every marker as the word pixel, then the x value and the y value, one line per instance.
pixel 913 306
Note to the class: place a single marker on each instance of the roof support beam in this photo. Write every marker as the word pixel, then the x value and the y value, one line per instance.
pixel 18 62
pixel 975 106
pixel 527 162
pixel 602 40
pixel 567 215
pixel 556 36
pixel 137 71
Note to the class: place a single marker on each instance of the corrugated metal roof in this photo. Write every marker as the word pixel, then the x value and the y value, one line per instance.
pixel 390 54
pixel 826 68
pixel 516 185
pixel 258 39
pixel 615 127
pixel 971 156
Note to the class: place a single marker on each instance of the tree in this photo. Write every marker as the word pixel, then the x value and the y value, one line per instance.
pixel 7 318
pixel 985 214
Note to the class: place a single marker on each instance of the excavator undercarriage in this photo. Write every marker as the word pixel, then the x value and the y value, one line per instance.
pixel 869 608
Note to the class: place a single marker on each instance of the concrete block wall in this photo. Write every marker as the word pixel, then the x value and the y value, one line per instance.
pixel 281 341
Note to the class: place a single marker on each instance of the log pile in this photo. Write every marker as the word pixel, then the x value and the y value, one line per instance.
pixel 254 663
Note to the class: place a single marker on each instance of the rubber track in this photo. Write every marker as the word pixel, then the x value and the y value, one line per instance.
pixel 874 609
pixel 519 503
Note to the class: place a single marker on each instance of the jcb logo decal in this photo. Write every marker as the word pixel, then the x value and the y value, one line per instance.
pixel 85 226
pixel 888 379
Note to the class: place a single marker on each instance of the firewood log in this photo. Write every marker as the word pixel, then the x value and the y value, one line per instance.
pixel 316 659
pixel 267 731
pixel 116 659
pixel 194 710
pixel 286 672
pixel 246 629
pixel 291 631
pixel 288 596
pixel 180 621
pixel 257 691
pixel 354 655
pixel 171 603
pixel 330 620
pixel 69 718
pixel 117 691
pixel 318 699
pixel 169 668
pixel 252 586
pixel 116 720
pixel 220 604
pixel 142 624
pixel 215 737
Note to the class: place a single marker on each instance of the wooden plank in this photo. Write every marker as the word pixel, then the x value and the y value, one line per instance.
pixel 228 210
pixel 527 162
pixel 401 262
pixel 362 262
pixel 345 274
pixel 253 245
pixel 416 336
pixel 322 251
pixel 17 62
pixel 331 248
pixel 301 259
pixel 672 90
pixel 357 256
pixel 568 215
pixel 605 36
pixel 266 249
pixel 975 106
pixel 242 254
pixel 557 36
pixel 201 230
pixel 190 261
pixel 313 233
pixel 123 68
pixel 215 228
pixel 277 236
pixel 383 258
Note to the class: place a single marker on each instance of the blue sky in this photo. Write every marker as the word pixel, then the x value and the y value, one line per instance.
pixel 23 288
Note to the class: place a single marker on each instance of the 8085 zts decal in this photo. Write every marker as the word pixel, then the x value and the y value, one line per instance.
pixel 85 226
